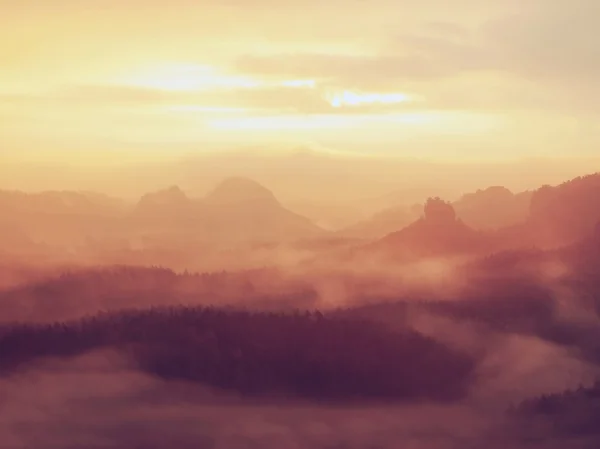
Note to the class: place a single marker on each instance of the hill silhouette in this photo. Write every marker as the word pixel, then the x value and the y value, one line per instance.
pixel 486 209
pixel 567 212
pixel 437 233
pixel 548 217
pixel 237 190
pixel 242 209
pixel 164 208
pixel 59 218
pixel 493 208
pixel 236 210
pixel 59 203
pixel 239 211
pixel 558 215
pixel 170 197
pixel 382 223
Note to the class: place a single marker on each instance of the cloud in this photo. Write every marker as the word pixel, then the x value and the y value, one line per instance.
pixel 547 54
pixel 284 97
pixel 347 70
pixel 557 41
pixel 533 42
pixel 547 57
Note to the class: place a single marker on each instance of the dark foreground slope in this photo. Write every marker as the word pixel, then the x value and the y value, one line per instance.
pixel 257 354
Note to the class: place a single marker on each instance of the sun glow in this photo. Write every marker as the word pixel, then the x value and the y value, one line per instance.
pixel 285 123
pixel 349 98
pixel 204 109
pixel 181 78
pixel 310 84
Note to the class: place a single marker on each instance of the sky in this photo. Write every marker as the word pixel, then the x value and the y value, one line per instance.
pixel 467 80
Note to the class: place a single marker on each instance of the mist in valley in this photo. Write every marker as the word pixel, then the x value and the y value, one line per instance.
pixel 163 324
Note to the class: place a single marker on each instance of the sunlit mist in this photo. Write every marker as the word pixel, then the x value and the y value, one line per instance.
pixel 348 98
pixel 189 78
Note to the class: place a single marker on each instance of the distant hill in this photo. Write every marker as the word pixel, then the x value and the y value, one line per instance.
pixel 236 210
pixel 241 191
pixel 566 212
pixel 382 223
pixel 438 233
pixel 548 216
pixel 173 197
pixel 60 218
pixel 239 211
pixel 581 257
pixel 491 208
pixel 59 203
pixel 166 209
pixel 242 209
pixel 558 215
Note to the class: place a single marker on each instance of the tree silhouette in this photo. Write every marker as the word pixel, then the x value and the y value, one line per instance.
pixel 298 354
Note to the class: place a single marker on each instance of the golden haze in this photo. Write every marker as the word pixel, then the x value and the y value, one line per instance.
pixel 473 82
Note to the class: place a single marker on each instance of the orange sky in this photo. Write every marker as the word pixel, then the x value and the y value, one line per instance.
pixel 459 80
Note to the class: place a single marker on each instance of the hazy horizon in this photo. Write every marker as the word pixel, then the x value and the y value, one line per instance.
pixel 292 173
